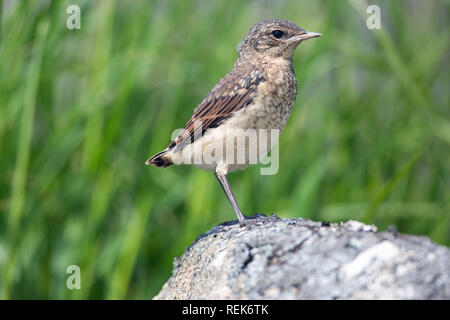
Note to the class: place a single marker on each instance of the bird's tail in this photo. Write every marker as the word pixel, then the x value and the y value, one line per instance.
pixel 159 160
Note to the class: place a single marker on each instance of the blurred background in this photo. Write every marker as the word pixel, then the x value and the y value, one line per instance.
pixel 81 110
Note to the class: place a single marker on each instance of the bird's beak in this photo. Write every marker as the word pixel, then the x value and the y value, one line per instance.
pixel 304 36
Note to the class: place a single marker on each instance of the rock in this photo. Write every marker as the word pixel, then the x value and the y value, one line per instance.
pixel 273 258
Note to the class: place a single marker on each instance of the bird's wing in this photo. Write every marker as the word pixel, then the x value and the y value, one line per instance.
pixel 231 94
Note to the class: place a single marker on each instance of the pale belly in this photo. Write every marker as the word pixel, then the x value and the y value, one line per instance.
pixel 241 140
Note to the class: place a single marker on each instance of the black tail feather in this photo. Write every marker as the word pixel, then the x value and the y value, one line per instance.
pixel 158 160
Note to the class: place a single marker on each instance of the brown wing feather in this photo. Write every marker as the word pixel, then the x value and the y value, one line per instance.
pixel 220 105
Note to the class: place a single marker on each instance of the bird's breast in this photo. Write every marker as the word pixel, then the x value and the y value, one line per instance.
pixel 272 103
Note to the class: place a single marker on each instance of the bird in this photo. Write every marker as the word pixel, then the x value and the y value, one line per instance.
pixel 257 94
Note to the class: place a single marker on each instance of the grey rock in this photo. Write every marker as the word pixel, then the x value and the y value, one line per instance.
pixel 273 258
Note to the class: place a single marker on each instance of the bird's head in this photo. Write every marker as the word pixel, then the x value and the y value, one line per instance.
pixel 273 38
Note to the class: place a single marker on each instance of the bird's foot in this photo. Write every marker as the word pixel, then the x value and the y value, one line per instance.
pixel 247 221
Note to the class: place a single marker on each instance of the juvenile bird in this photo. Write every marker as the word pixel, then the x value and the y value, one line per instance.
pixel 257 94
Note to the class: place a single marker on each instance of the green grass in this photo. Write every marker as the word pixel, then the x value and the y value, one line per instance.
pixel 81 110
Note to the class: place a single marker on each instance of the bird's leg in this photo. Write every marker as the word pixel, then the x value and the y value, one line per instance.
pixel 226 187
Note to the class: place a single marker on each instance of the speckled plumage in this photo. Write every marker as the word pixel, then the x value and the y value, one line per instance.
pixel 258 93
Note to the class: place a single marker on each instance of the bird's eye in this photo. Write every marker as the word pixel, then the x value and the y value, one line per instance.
pixel 277 34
